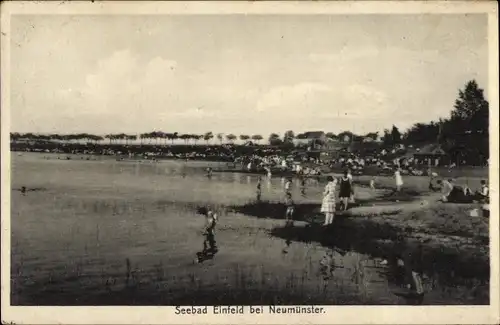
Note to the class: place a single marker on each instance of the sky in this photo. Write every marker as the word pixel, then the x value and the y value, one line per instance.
pixel 241 74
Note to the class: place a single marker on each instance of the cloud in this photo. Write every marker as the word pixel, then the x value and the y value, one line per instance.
pixel 121 86
pixel 122 81
pixel 283 96
pixel 323 101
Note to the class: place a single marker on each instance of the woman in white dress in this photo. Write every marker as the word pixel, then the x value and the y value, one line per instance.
pixel 399 179
pixel 328 204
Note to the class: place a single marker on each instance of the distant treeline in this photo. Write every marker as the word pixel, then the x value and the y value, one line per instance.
pixel 464 136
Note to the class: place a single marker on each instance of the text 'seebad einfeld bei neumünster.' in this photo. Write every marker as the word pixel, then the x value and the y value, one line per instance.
pixel 233 310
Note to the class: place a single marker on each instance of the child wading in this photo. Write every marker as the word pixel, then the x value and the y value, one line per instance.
pixel 209 245
pixel 290 209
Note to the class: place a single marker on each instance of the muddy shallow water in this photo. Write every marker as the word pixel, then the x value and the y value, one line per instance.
pixel 120 233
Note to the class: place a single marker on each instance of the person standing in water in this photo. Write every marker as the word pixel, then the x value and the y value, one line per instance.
pixel 290 209
pixel 259 189
pixel 211 218
pixel 345 190
pixel 303 186
pixel 288 186
pixel 328 204
pixel 351 196
pixel 399 179
pixel 372 183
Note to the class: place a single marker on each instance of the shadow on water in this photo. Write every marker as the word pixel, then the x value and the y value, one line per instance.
pixel 447 266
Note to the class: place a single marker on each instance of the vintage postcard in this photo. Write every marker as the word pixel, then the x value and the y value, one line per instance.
pixel 249 162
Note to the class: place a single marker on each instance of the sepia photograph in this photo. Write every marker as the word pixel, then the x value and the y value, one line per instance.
pixel 217 162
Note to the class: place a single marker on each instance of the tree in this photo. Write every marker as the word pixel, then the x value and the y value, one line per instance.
pixel 274 139
pixel 220 137
pixel 372 135
pixel 172 137
pixel 97 138
pixel 14 136
pixel 231 137
pixel 185 137
pixel 244 137
pixel 468 126
pixel 387 138
pixel 396 135
pixel 142 136
pixel 132 137
pixel 470 102
pixel 422 133
pixel 257 138
pixel 208 136
pixel 346 136
pixel 331 135
pixel 289 136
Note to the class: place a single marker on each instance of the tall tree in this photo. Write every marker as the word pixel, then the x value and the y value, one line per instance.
pixel 387 138
pixel 468 127
pixel 396 135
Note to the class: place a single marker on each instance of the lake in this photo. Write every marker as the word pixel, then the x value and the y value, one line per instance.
pixel 109 232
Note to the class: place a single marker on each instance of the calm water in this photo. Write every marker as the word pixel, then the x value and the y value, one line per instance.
pixel 71 240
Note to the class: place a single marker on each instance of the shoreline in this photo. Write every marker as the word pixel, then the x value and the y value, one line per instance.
pixel 380 230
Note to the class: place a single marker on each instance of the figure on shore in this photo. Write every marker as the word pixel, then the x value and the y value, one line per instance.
pixel 328 204
pixel 433 187
pixel 209 172
pixel 446 189
pixel 483 196
pixel 345 190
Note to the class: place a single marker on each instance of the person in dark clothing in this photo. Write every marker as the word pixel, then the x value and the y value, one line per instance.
pixel 303 186
pixel 345 190
pixel 259 189
pixel 290 209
